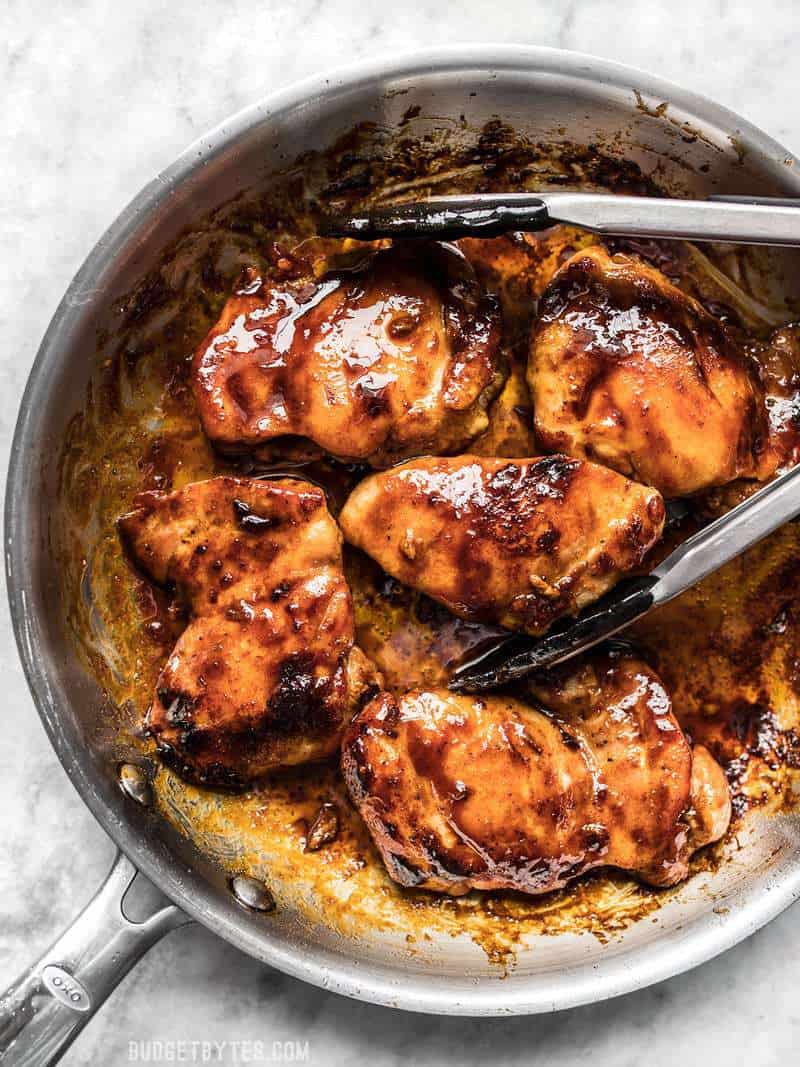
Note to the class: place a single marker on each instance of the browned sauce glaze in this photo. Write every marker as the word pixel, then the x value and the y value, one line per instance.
pixel 265 673
pixel 489 792
pixel 414 640
pixel 627 369
pixel 727 651
pixel 515 542
pixel 396 357
pixel 779 362
pixel 516 268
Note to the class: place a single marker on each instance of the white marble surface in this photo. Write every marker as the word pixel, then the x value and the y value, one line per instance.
pixel 97 97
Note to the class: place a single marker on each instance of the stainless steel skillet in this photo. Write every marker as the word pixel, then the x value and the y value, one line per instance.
pixel 700 147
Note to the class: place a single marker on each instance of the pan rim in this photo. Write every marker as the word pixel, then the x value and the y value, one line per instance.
pixel 648 964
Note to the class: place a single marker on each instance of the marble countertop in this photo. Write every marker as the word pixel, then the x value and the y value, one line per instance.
pixel 100 96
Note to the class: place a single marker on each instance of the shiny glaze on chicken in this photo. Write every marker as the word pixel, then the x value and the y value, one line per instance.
pixel 630 371
pixel 622 709
pixel 516 268
pixel 265 673
pixel 395 357
pixel 779 360
pixel 491 792
pixel 517 542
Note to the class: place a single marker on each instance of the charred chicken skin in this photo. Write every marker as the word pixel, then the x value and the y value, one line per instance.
pixel 465 793
pixel 266 673
pixel 397 358
pixel 628 370
pixel 518 542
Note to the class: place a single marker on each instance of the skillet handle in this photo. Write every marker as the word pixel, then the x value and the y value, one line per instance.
pixel 47 1007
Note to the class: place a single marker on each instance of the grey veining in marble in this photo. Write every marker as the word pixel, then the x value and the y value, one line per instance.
pixel 97 97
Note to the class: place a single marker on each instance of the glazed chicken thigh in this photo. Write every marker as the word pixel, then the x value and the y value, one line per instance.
pixel 514 542
pixel 628 370
pixel 392 359
pixel 266 673
pixel 615 701
pixel 462 793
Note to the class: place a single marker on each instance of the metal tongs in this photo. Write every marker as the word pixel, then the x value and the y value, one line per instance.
pixel 700 555
pixel 741 219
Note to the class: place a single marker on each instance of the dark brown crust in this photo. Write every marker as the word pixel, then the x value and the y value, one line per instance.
pixel 515 542
pixel 492 793
pixel 397 358
pixel 259 678
pixel 627 369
